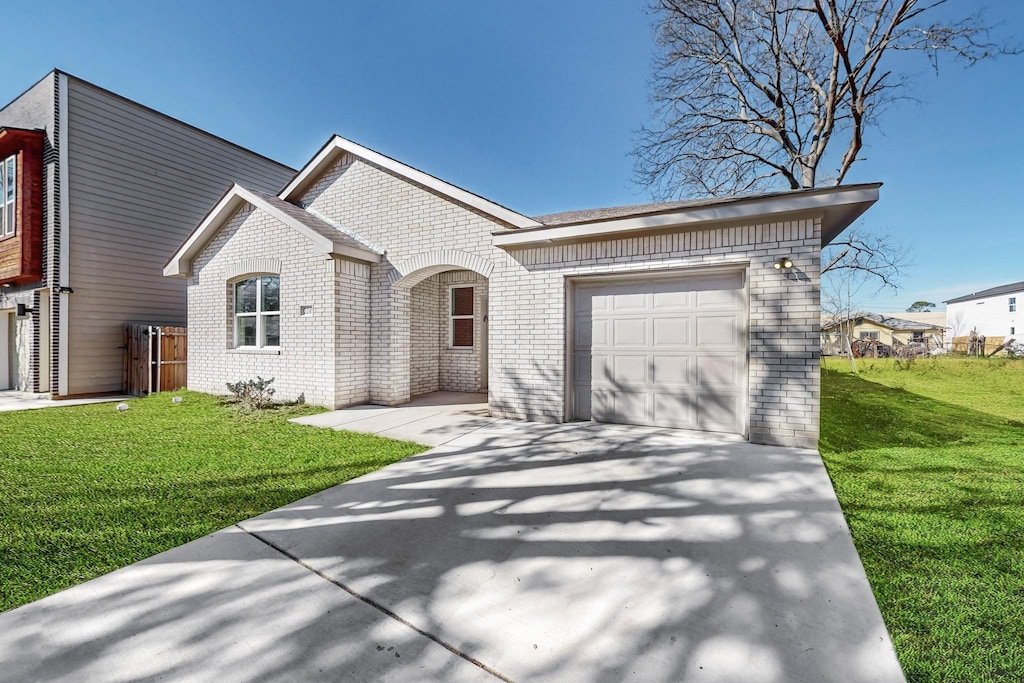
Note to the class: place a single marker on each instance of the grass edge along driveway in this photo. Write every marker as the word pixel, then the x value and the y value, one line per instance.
pixel 928 462
pixel 87 489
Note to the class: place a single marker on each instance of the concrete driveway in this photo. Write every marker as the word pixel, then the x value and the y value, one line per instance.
pixel 520 552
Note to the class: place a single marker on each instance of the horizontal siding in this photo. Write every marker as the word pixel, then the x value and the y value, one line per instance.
pixel 139 183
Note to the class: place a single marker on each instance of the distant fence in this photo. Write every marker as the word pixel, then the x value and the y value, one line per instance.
pixel 156 358
pixel 963 344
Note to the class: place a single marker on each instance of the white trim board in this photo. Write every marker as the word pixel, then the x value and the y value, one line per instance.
pixel 338 145
pixel 839 207
pixel 180 265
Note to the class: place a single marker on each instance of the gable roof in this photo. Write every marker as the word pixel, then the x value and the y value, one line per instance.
pixel 898 324
pixel 326 238
pixel 985 293
pixel 839 205
pixel 337 146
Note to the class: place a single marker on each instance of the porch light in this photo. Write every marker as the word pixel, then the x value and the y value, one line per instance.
pixel 784 263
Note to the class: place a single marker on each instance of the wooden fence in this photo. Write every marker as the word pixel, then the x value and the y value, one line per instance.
pixel 155 358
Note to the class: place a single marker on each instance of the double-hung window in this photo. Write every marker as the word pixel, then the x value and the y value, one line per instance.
pixel 1013 304
pixel 460 328
pixel 8 195
pixel 258 312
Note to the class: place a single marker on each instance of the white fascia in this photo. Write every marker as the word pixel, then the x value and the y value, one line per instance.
pixel 180 264
pixel 839 207
pixel 339 145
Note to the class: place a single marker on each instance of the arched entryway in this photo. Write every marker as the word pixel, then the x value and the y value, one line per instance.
pixel 440 309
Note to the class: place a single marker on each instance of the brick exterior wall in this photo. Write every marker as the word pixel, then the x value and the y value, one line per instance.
pixel 323 354
pixel 528 304
pixel 388 339
pixel 425 333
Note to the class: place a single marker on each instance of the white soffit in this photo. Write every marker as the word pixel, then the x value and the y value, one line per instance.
pixel 838 206
pixel 339 145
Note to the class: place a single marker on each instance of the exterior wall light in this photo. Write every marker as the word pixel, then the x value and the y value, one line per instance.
pixel 784 263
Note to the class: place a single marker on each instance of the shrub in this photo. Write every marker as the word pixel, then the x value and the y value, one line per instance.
pixel 253 394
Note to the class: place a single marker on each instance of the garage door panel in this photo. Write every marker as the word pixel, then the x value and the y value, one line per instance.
pixel 718 371
pixel 674 370
pixel 673 332
pixel 629 369
pixel 630 407
pixel 718 331
pixel 632 301
pixel 672 299
pixel 675 410
pixel 628 332
pixel 666 351
pixel 718 412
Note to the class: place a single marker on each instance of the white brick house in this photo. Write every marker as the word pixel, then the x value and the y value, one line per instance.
pixel 366 280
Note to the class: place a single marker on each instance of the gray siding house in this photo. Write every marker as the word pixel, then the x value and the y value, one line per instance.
pixel 367 280
pixel 116 187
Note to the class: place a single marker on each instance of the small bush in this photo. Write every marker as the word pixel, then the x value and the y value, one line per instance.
pixel 253 394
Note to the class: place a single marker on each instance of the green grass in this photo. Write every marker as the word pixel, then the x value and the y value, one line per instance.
pixel 86 490
pixel 928 462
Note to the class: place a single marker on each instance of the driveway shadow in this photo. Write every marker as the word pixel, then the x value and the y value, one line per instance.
pixel 542 552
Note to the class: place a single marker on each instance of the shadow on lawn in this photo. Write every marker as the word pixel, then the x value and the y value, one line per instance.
pixel 548 552
pixel 859 415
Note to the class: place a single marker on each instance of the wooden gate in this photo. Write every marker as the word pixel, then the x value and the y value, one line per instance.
pixel 155 358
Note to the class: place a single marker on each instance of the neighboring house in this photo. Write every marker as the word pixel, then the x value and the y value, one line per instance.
pixel 889 329
pixel 96 191
pixel 366 280
pixel 992 312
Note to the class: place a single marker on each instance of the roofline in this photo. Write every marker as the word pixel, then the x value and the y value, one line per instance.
pixel 168 117
pixel 855 319
pixel 180 265
pixel 985 293
pixel 48 74
pixel 338 145
pixel 839 206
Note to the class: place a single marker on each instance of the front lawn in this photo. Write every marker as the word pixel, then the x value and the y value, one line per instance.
pixel 928 462
pixel 86 489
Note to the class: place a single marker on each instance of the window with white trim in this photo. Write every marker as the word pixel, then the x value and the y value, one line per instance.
pixel 460 318
pixel 258 312
pixel 869 335
pixel 1013 304
pixel 8 194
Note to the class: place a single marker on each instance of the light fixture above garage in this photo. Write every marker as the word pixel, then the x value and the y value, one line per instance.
pixel 784 263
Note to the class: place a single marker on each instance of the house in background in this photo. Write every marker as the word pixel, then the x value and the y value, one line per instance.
pixel 95 190
pixel 367 280
pixel 992 312
pixel 890 330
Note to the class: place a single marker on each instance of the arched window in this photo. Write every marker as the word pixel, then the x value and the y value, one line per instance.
pixel 258 312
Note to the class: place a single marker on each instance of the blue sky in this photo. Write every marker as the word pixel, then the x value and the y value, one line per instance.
pixel 533 104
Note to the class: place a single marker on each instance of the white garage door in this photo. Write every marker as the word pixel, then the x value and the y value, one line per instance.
pixel 669 352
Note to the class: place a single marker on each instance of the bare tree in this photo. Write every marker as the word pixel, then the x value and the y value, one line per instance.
pixel 859 251
pixel 754 94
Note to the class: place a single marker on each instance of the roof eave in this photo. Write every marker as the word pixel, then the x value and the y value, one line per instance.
pixel 180 264
pixel 838 206
pixel 338 145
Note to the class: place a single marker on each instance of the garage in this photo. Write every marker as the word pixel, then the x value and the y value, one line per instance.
pixel 668 351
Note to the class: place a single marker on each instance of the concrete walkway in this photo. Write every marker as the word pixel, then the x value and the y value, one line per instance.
pixel 519 551
pixel 20 400
pixel 431 419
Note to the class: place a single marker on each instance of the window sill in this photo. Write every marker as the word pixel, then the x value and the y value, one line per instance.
pixel 461 348
pixel 257 351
